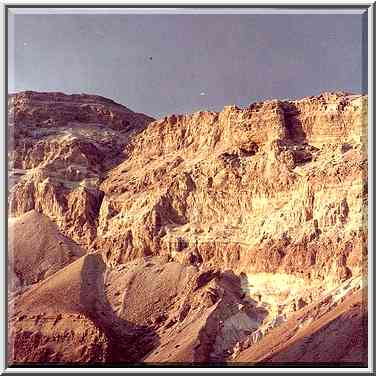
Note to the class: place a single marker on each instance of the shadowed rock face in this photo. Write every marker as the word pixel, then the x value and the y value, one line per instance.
pixel 324 333
pixel 208 226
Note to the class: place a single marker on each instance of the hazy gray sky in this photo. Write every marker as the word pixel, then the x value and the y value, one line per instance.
pixel 165 63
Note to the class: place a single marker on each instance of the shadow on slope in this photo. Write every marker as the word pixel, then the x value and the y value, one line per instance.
pixel 127 342
pixel 66 320
pixel 318 335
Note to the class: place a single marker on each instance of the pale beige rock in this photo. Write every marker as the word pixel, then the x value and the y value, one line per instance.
pixel 204 226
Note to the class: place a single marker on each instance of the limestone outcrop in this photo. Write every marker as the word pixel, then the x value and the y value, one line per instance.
pixel 262 208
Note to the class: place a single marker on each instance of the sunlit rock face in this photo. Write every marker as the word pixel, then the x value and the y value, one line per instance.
pixel 60 148
pixel 268 204
pixel 275 187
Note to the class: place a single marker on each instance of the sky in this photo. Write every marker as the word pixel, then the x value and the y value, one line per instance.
pixel 161 64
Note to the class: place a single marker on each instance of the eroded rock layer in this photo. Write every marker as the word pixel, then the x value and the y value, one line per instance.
pixel 204 231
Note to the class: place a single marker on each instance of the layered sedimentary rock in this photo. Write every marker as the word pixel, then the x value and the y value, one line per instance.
pixel 265 205
pixel 60 149
pixel 331 331
pixel 278 186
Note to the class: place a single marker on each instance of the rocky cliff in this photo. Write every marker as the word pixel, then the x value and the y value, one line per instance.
pixel 275 192
pixel 61 147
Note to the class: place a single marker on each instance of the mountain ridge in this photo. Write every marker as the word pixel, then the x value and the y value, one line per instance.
pixel 275 191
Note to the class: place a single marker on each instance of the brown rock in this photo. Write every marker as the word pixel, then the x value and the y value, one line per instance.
pixel 182 203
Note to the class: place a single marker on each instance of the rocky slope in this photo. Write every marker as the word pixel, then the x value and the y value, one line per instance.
pixel 148 310
pixel 331 331
pixel 37 250
pixel 265 206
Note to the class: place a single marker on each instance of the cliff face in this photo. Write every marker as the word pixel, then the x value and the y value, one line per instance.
pixel 60 148
pixel 278 186
pixel 275 191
